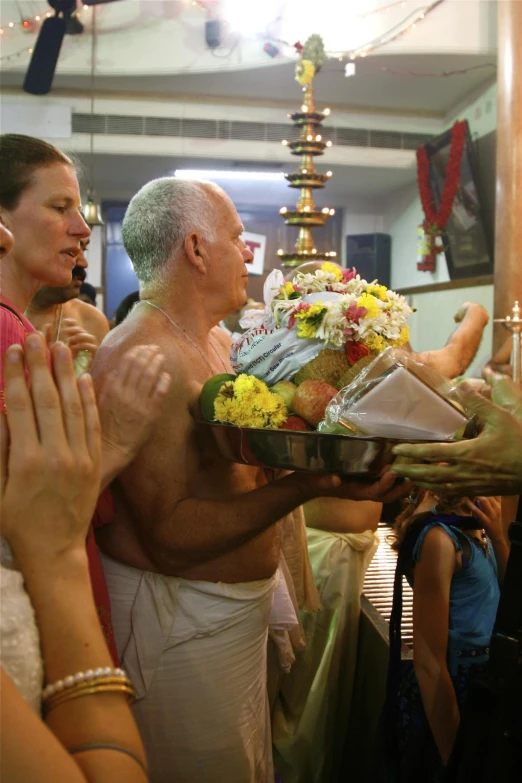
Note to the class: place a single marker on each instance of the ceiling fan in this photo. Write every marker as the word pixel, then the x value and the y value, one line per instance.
pixel 39 77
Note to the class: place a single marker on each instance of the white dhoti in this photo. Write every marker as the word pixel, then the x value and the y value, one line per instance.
pixel 196 654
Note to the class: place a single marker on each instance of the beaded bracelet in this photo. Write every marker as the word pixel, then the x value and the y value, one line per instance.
pixel 74 679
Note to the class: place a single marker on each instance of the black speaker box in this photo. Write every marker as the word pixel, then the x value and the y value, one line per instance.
pixel 370 254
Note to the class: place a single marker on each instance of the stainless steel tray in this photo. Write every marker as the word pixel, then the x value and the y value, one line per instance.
pixel 315 452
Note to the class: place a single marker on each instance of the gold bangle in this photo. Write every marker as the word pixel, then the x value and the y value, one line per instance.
pixel 81 686
pixel 108 679
pixel 124 690
pixel 103 685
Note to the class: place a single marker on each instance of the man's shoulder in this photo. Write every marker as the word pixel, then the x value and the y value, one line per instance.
pixel 139 331
pixel 89 316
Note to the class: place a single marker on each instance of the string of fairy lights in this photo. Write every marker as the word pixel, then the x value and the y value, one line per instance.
pixel 408 24
pixel 29 23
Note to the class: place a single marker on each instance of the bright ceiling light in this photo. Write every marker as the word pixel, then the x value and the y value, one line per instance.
pixel 249 18
pixel 252 176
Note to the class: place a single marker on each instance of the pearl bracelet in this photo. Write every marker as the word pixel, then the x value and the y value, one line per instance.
pixel 80 677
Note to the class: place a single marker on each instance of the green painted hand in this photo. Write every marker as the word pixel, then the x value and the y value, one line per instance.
pixel 490 464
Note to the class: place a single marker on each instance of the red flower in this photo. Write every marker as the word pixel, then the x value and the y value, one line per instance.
pixel 438 219
pixel 355 351
pixel 354 314
pixel 298 46
pixel 349 274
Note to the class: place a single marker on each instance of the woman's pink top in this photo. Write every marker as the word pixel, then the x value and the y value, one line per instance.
pixel 14 328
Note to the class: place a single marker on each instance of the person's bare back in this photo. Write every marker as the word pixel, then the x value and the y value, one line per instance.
pixel 181 460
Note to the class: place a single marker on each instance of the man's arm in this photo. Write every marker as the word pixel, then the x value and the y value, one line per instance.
pixel 463 344
pixel 179 522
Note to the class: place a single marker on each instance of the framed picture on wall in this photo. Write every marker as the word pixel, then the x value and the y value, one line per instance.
pixel 467 245
pixel 257 244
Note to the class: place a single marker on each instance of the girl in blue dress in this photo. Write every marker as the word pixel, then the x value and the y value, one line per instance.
pixel 453 554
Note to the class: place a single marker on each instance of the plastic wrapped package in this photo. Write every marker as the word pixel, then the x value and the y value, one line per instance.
pixel 397 397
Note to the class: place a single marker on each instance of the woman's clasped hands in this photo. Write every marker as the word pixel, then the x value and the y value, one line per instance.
pixel 50 451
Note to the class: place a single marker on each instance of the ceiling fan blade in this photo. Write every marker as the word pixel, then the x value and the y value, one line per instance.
pixel 39 77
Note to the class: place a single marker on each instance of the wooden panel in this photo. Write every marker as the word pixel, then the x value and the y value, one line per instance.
pixel 508 224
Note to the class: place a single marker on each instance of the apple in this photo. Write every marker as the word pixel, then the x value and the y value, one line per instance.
pixel 286 390
pixel 295 423
pixel 311 399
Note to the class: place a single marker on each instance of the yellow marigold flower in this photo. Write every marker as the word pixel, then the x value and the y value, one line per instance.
pixel 306 330
pixel 378 291
pixel 375 342
pixel 288 288
pixel 370 303
pixel 403 337
pixel 246 385
pixel 248 402
pixel 308 321
pixel 313 310
pixel 304 72
pixel 334 270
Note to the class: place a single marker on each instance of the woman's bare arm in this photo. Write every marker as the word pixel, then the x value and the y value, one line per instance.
pixel 433 574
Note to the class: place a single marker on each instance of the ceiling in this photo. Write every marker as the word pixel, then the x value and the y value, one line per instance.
pixel 415 85
pixel 427 84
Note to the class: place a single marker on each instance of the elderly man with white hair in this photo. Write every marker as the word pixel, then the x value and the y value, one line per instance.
pixel 193 557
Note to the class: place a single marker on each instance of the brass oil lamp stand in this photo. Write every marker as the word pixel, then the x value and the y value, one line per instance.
pixel 513 323
pixel 306 215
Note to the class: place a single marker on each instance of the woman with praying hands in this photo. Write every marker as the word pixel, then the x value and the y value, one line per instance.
pixel 40 206
pixel 79 726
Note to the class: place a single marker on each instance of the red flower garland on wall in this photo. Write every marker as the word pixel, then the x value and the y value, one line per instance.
pixel 435 220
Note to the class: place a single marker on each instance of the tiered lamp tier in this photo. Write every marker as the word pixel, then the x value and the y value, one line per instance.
pixel 309 145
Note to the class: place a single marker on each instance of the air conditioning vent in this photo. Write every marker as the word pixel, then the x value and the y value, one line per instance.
pixel 413 141
pixel 87 123
pixel 248 131
pixel 199 129
pixel 125 125
pixel 162 126
pixel 351 137
pixel 277 131
pixel 386 139
pixel 223 129
pixel 173 127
